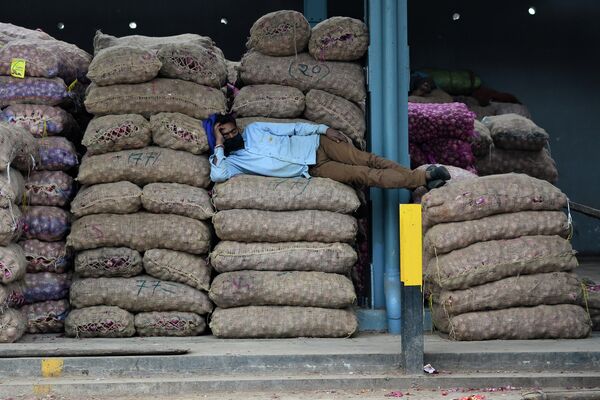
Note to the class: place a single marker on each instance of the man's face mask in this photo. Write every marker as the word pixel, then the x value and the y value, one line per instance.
pixel 233 144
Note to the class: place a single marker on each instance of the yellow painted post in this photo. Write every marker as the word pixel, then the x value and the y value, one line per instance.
pixel 411 245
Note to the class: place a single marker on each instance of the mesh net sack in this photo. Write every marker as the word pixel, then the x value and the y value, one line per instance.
pixel 489 195
pixel 242 123
pixel 11 225
pixel 179 132
pixel 140 231
pixel 202 64
pixel 148 165
pixel 11 188
pixel 116 132
pixel 103 41
pixel 55 153
pixel 339 38
pixel 14 142
pixel 49 188
pixel 282 322
pixel 12 263
pixel 11 295
pixel 177 266
pixel 139 294
pixel 43 91
pixel 39 120
pixel 482 141
pixel 101 321
pixel 159 95
pixel 169 324
pixel 291 256
pixel 284 194
pixel 46 256
pixel 538 164
pixel 124 64
pixel 276 288
pixel 108 262
pixel 113 198
pixel 491 261
pixel 45 286
pixel 279 33
pixel 449 151
pixel 269 101
pixel 304 72
pixel 175 198
pixel 514 132
pixel 46 317
pixel 284 226
pixel 12 325
pixel 336 112
pixel 49 224
pixel 428 122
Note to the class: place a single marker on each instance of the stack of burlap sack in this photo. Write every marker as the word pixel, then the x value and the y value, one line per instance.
pixel 284 258
pixel 283 82
pixel 591 301
pixel 141 231
pixel 498 264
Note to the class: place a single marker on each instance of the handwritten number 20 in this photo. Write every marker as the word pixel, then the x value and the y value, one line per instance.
pixel 316 69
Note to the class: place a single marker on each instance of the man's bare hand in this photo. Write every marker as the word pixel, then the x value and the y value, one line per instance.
pixel 219 140
pixel 335 135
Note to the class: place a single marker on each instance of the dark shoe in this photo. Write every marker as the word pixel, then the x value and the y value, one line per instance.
pixel 437 183
pixel 435 172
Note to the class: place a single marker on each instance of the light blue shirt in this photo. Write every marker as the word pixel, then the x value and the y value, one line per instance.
pixel 283 150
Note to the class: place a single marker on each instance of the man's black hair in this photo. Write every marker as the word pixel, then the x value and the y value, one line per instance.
pixel 225 118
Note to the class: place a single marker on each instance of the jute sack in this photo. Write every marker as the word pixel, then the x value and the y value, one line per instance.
pixel 592 298
pixel 12 325
pixel 39 120
pixel 48 188
pixel 139 294
pixel 124 64
pixel 175 198
pixel 514 291
pixel 11 225
pixel 148 165
pixel 336 112
pixel 12 188
pixel 269 101
pixel 178 132
pixel 290 256
pixel 339 38
pixel 158 95
pixel 140 231
pixel 169 324
pixel 538 164
pixel 284 226
pixel 343 79
pixel 10 32
pixel 116 132
pixel 514 132
pixel 101 321
pixel 283 322
pixel 242 123
pixel 490 261
pixel 481 142
pixel 563 321
pixel 103 41
pixel 489 195
pixel 46 256
pixel 113 198
pixel 443 238
pixel 279 33
pixel 177 266
pixel 14 141
pixel 275 288
pixel 46 317
pixel 108 262
pixel 285 194
pixel 202 64
pixel 13 264
pixel 42 91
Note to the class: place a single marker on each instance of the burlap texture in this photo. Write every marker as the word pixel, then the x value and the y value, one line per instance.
pixel 514 291
pixel 116 132
pixel 103 41
pixel 491 261
pixel 279 33
pixel 158 95
pixel 242 123
pixel 593 299
pixel 269 101
pixel 287 288
pixel 285 194
pixel 283 322
pixel 514 132
pixel 11 225
pixel 202 64
pixel 42 91
pixel 178 132
pixel 14 142
pixel 124 64
pixel 108 262
pixel 147 165
pixel 343 79
pixel 538 164
pixel 46 317
pixel 12 325
pixel 481 142
pixel 39 120
pixel 284 226
pixel 49 224
pixel 112 198
pixel 46 256
pixel 290 256
pixel 140 231
pixel 48 188
pixel 489 195
pixel 169 324
pixel 175 198
pixel 101 321
pixel 13 264
pixel 339 38
pixel 443 238
pixel 336 112
pixel 563 321
pixel 11 188
pixel 10 32
pixel 139 294
pixel 177 266
pixel 45 286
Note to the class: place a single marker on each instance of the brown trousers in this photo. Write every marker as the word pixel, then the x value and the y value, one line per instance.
pixel 344 163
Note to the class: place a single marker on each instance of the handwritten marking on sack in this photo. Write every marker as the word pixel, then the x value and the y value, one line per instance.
pixel 308 72
pixel 154 285
pixel 239 283
pixel 144 158
pixel 17 68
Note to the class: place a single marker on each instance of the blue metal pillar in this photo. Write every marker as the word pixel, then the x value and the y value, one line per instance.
pixel 315 11
pixel 403 87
